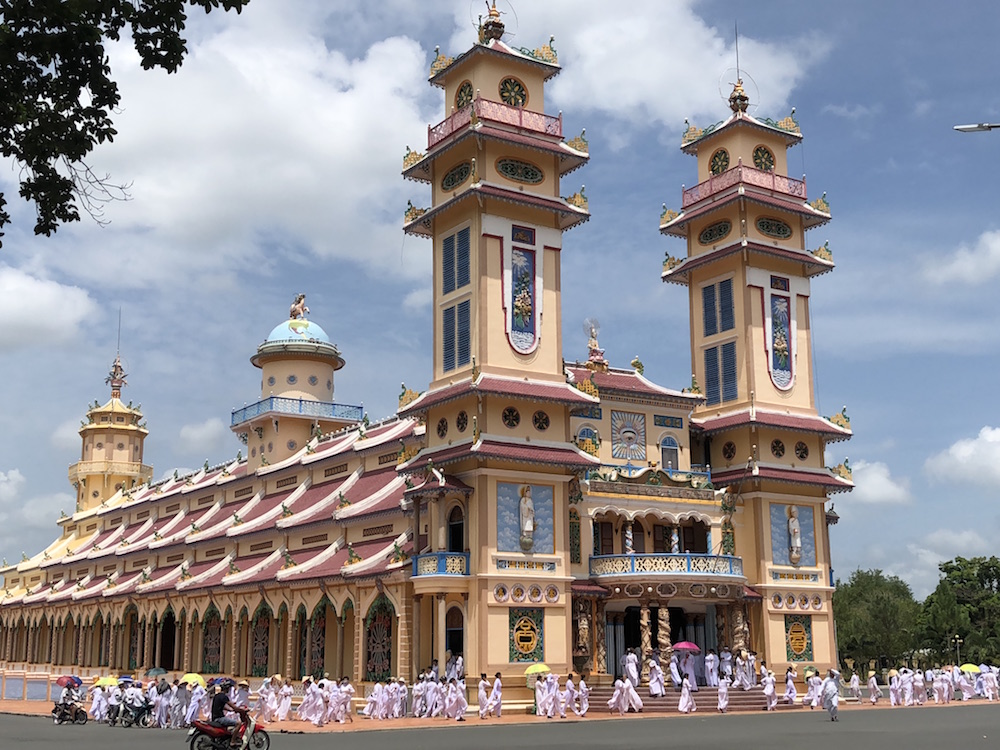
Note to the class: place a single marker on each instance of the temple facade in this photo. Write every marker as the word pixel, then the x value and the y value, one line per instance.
pixel 521 509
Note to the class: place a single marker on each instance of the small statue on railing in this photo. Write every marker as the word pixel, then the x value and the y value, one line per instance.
pixel 298 309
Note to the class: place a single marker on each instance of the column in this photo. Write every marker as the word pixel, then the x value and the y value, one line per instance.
pixel 415 665
pixel 663 632
pixel 439 634
pixel 645 638
pixel 188 638
pixel 359 646
pixel 178 631
pixel 600 636
pixel 403 642
pixel 234 629
pixel 289 645
pixel 157 643
pixel 339 655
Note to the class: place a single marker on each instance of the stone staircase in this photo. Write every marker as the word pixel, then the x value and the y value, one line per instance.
pixel 707 700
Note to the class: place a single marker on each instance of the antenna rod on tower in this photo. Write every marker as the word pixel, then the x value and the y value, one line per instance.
pixel 118 346
pixel 736 27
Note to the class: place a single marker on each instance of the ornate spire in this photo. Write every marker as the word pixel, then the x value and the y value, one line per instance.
pixel 738 100
pixel 493 27
pixel 116 378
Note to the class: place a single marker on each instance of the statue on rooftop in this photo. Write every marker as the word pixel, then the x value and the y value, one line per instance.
pixel 298 309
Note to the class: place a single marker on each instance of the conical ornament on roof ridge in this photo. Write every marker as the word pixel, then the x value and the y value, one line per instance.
pixel 493 27
pixel 738 100
pixel 116 378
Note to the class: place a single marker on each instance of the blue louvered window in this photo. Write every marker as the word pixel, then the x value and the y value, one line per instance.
pixel 727 320
pixel 717 307
pixel 448 265
pixel 720 376
pixel 712 376
pixel 448 338
pixel 455 261
pixel 708 305
pixel 456 336
pixel 729 388
pixel 464 333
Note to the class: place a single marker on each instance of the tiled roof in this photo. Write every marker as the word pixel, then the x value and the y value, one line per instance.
pixel 536 390
pixel 437 483
pixel 811 217
pixel 493 47
pixel 163 526
pixel 801 422
pixel 587 588
pixel 529 453
pixel 812 477
pixel 183 527
pixel 814 265
pixel 319 502
pixel 628 382
pixel 375 493
pixel 331 564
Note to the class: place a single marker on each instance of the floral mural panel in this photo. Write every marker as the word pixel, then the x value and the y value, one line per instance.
pixel 781 338
pixel 522 299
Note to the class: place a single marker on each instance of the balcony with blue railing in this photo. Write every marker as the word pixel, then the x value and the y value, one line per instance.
pixel 305 407
pixel 665 566
pixel 441 564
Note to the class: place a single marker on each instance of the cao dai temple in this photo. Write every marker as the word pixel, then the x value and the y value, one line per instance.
pixel 521 508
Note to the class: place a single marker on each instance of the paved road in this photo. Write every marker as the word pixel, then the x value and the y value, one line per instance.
pixel 926 728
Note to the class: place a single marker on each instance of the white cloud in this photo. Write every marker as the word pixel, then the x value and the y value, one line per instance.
pixel 418 300
pixel 37 311
pixel 874 484
pixel 207 438
pixel 973 460
pixel 67 435
pixel 920 565
pixel 974 264
pixel 10 485
pixel 851 111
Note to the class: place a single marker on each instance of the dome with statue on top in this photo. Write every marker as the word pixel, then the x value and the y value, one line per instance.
pixel 299 329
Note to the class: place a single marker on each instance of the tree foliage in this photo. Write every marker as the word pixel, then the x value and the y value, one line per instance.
pixel 59 96
pixel 876 618
pixel 965 603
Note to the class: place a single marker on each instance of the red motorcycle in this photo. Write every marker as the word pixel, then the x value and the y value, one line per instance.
pixel 204 735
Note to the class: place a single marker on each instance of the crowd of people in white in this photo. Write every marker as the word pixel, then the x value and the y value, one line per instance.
pixel 176 705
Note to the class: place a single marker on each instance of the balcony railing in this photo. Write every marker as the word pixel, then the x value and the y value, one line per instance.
pixel 441 564
pixel 119 468
pixel 322 409
pixel 628 469
pixel 537 122
pixel 749 175
pixel 668 564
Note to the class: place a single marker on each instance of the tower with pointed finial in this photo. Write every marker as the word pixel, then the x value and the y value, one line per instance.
pixel 498 407
pixel 111 452
pixel 748 270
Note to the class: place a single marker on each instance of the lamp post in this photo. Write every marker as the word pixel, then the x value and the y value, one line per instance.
pixel 977 127
pixel 956 639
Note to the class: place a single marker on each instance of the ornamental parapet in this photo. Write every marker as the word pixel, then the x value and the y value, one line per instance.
pixel 495 112
pixel 117 468
pixel 747 175
pixel 662 566
pixel 441 564
pixel 282 405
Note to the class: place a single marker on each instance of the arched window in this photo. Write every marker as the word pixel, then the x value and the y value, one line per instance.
pixel 588 440
pixel 454 631
pixel 456 530
pixel 670 453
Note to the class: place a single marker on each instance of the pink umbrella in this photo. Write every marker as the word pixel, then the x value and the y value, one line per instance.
pixel 686 646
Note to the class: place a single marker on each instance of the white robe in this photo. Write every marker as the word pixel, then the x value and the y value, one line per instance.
pixel 483 695
pixel 675 672
pixel 724 693
pixel 496 698
pixel 618 700
pixel 711 670
pixel 584 693
pixel 831 694
pixel 726 663
pixel 686 704
pixel 790 692
pixel 632 697
pixel 285 701
pixel 655 680
pixel 632 668
pixel 874 691
pixel 687 667
pixel 769 693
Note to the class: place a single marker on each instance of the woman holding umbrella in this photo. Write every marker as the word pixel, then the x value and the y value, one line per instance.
pixel 688 662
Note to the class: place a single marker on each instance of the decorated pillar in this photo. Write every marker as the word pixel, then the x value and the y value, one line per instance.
pixel 234 631
pixel 600 638
pixel 439 633
pixel 645 637
pixel 178 632
pixel 188 638
pixel 290 646
pixel 359 645
pixel 415 642
pixel 340 645
pixel 663 631
pixel 404 645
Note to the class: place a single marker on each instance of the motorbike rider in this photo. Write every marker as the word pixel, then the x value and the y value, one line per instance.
pixel 134 699
pixel 68 699
pixel 220 704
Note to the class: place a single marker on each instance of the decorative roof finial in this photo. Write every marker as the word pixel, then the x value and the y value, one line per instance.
pixel 738 100
pixel 595 354
pixel 298 309
pixel 493 27
pixel 116 378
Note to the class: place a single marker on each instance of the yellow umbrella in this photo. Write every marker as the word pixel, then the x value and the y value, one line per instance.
pixel 107 681
pixel 191 678
pixel 970 668
pixel 537 669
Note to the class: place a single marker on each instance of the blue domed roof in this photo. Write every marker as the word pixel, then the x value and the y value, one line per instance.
pixel 297 330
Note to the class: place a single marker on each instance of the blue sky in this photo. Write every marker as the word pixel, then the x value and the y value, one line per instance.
pixel 270 165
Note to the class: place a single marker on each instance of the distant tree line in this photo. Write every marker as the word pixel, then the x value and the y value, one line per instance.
pixel 879 622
